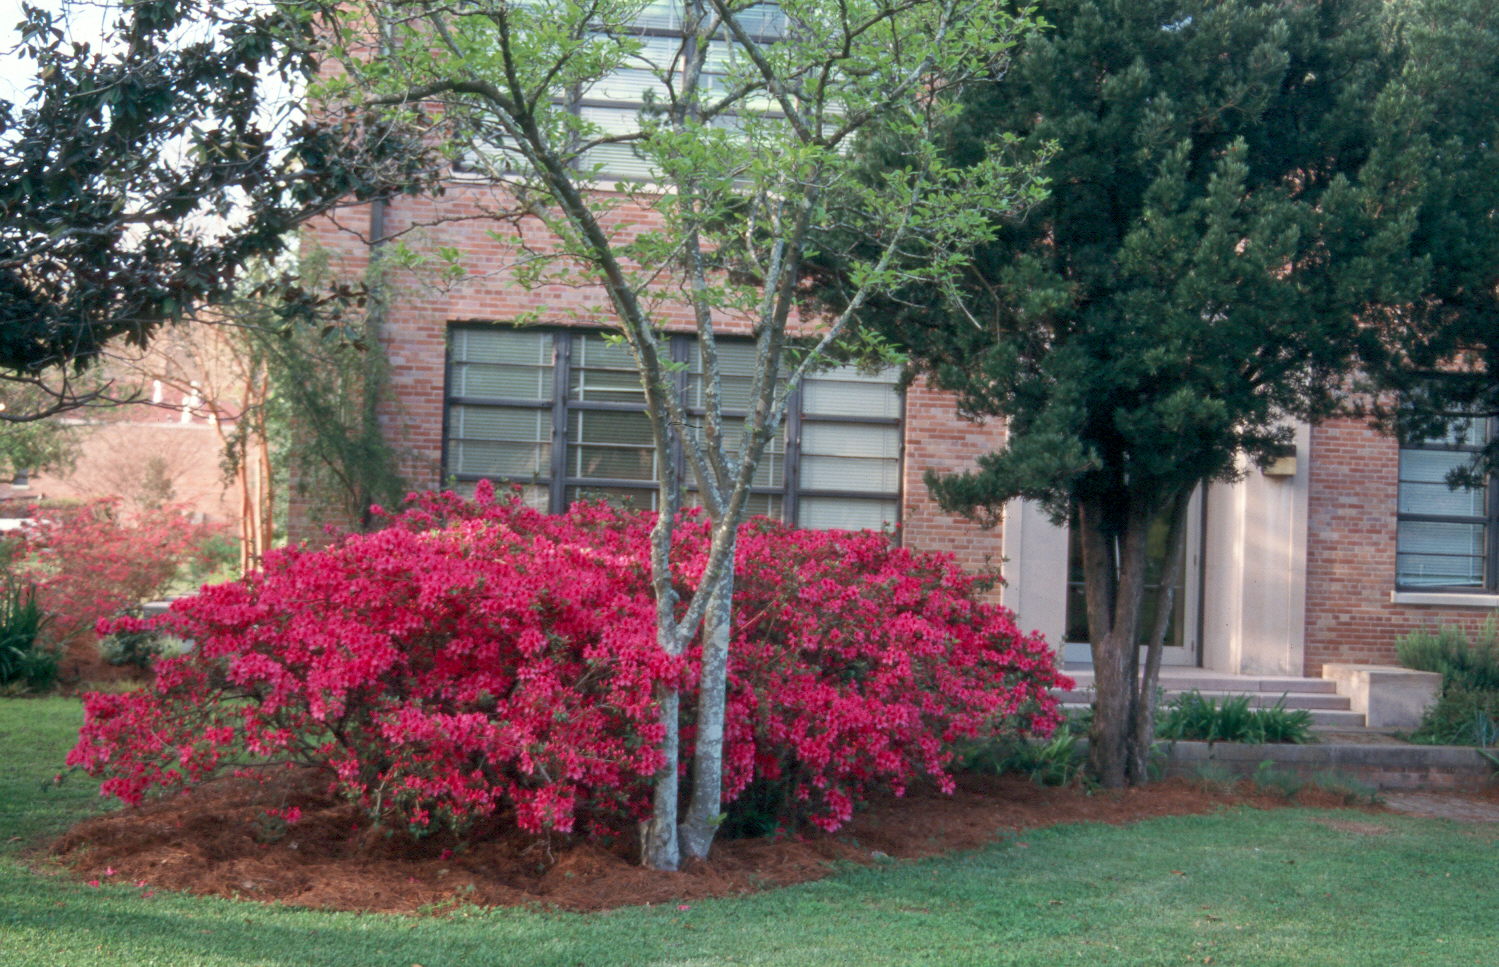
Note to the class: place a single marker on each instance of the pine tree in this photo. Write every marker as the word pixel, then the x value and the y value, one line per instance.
pixel 1239 220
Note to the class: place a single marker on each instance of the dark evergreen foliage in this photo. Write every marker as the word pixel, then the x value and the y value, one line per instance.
pixel 143 172
pixel 1249 200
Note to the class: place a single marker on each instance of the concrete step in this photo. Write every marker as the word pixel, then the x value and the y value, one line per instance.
pixel 1330 718
pixel 1266 699
pixel 1186 679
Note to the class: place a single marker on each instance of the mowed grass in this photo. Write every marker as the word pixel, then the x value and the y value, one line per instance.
pixel 1240 887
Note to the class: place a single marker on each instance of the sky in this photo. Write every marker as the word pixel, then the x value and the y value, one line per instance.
pixel 16 71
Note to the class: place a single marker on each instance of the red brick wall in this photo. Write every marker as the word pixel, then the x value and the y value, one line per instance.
pixel 937 439
pixel 421 312
pixel 133 459
pixel 1351 551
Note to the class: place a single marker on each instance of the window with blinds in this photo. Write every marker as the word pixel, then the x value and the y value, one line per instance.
pixel 1447 538
pixel 614 104
pixel 562 414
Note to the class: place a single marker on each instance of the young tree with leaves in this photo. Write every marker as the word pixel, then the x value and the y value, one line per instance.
pixel 1240 220
pixel 750 112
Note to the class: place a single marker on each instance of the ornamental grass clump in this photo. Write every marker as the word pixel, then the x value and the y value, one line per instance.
pixel 478 659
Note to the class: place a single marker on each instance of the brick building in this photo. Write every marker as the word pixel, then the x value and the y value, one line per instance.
pixel 1327 556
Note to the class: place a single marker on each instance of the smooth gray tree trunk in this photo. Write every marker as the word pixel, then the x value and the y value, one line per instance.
pixel 705 811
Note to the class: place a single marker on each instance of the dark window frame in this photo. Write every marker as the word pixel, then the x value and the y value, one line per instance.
pixel 577 101
pixel 1488 519
pixel 558 481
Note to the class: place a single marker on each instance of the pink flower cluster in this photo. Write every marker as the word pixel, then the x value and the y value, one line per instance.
pixel 94 560
pixel 479 658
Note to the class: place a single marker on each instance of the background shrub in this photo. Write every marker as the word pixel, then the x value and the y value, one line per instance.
pixel 1467 711
pixel 93 561
pixel 478 658
pixel 1471 665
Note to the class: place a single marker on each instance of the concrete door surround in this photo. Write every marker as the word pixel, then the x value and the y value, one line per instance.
pixel 1254 563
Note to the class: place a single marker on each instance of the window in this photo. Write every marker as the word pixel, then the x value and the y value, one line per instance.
pixel 1447 538
pixel 614 103
pixel 562 413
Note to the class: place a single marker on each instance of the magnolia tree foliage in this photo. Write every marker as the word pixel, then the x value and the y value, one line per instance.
pixel 147 166
pixel 1251 201
pixel 480 659
pixel 745 139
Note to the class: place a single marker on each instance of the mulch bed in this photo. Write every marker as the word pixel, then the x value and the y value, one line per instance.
pixel 218 840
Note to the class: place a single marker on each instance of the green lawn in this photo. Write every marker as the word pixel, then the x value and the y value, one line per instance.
pixel 1241 887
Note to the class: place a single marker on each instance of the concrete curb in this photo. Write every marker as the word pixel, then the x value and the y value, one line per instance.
pixel 1446 767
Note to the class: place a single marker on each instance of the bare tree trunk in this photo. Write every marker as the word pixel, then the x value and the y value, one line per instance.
pixel 706 808
pixel 267 495
pixel 1113 625
pixel 246 516
pixel 659 847
pixel 1143 733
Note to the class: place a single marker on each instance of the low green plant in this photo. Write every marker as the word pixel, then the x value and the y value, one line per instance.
pixel 1269 778
pixel 1215 777
pixel 1353 792
pixel 1278 724
pixel 138 649
pixel 26 663
pixel 1197 717
pixel 1057 761
pixel 1461 716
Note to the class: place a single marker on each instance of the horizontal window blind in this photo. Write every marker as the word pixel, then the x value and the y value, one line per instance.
pixel 1446 537
pixel 563 413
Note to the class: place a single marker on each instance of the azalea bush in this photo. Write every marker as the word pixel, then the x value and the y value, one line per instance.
pixel 478 659
pixel 92 561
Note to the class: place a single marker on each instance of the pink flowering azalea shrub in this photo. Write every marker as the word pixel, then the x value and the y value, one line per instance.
pixel 480 659
pixel 93 560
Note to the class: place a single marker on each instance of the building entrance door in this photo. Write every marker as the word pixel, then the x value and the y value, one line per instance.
pixel 1182 646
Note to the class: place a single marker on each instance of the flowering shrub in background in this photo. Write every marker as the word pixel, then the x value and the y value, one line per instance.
pixel 92 561
pixel 480 658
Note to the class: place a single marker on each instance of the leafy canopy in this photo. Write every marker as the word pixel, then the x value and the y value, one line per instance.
pixel 1234 225
pixel 145 169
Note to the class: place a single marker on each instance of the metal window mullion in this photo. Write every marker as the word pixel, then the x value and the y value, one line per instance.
pixel 443 467
pixel 498 403
pixel 855 494
pixel 562 352
pixel 792 473
pixel 1443 518
pixel 900 472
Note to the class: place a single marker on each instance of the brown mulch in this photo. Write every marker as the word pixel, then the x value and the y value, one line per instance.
pixel 218 840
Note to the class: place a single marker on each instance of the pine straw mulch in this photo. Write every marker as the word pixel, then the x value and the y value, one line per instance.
pixel 218 840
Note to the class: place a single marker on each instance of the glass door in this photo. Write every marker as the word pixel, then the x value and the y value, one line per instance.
pixel 1181 636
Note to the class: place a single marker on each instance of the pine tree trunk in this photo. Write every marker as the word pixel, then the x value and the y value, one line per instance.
pixel 1114 576
pixel 1142 736
pixel 267 534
